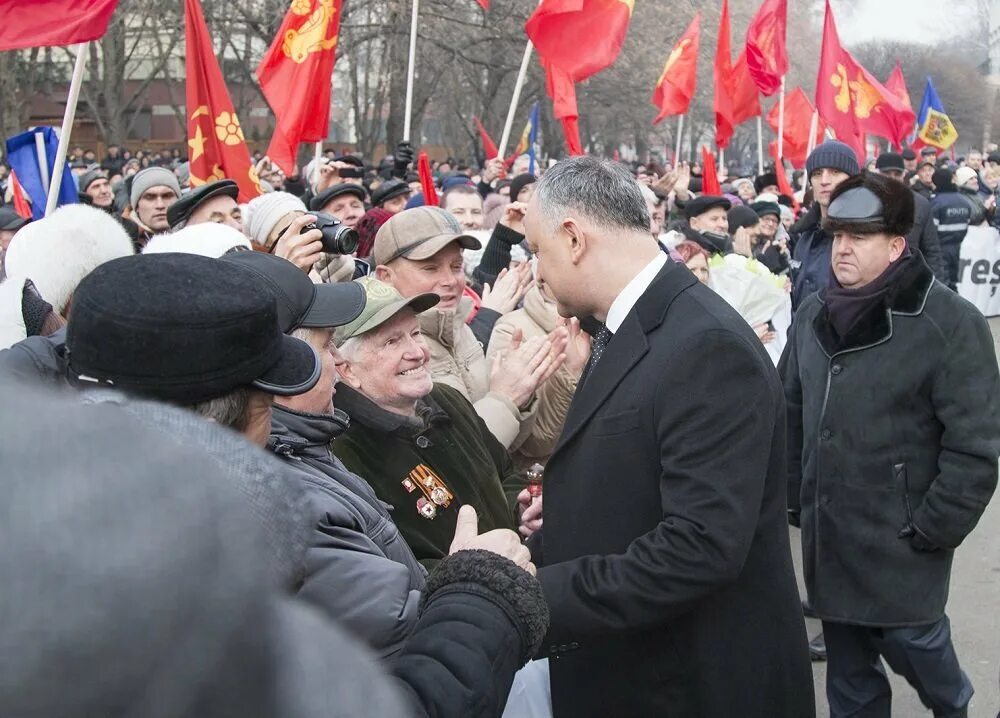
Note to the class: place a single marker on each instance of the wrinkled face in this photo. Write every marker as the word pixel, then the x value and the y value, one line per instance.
pixel 926 174
pixel 396 204
pixel 100 192
pixel 467 209
pixel 858 259
pixel 390 365
pixel 443 274
pixel 554 267
pixel 824 180
pixel 152 207
pixel 319 399
pixel 768 226
pixel 347 208
pixel 698 264
pixel 221 210
pixel 714 220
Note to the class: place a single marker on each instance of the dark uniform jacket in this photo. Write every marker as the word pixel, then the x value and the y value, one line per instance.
pixel 427 467
pixel 665 554
pixel 894 427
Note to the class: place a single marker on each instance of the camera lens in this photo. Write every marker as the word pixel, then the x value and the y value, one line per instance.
pixel 337 237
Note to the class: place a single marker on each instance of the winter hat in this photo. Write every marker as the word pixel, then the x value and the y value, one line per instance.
pixel 457 181
pixel 152 177
pixel 743 181
pixel 742 217
pixel 833 155
pixel 762 209
pixel 963 175
pixel 58 251
pixel 869 204
pixel 768 179
pixel 263 213
pixel 944 180
pixel 88 178
pixel 208 239
pixel 416 200
pixel 519 183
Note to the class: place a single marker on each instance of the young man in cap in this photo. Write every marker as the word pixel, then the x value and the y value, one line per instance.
pixel 419 251
pixel 894 433
pixel 827 166
pixel 924 234
pixel 153 191
pixel 951 212
pixel 212 202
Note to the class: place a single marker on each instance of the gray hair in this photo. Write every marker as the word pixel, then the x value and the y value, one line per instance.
pixel 603 191
pixel 227 410
pixel 351 347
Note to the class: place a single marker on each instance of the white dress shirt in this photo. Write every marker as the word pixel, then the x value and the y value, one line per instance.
pixel 633 290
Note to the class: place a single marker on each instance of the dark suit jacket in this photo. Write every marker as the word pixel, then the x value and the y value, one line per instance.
pixel 666 561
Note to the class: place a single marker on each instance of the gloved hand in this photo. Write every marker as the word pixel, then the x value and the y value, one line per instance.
pixel 918 539
pixel 402 159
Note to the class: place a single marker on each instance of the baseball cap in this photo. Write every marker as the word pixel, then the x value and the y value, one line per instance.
pixel 382 303
pixel 301 303
pixel 419 233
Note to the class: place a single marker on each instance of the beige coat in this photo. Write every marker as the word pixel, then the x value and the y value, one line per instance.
pixel 457 360
pixel 538 317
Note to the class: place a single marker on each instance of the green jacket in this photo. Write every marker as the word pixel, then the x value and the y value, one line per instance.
pixel 428 466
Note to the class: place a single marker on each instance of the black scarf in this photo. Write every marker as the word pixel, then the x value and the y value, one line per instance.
pixel 847 307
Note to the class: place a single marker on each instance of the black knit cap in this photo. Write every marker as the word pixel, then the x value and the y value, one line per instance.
pixel 183 329
pixel 519 183
pixel 890 161
pixel 833 155
pixel 742 216
pixel 763 209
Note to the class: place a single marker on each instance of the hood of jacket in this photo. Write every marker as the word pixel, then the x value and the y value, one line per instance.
pixel 305 434
pixel 443 326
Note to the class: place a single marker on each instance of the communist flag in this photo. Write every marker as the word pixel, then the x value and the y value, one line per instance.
pixel 710 178
pixel 295 77
pixel 489 146
pixel 896 84
pixel 675 88
pixel 851 100
pixel 216 148
pixel 43 23
pixel 767 53
pixel 563 32
pixel 798 117
pixel 735 94
pixel 562 90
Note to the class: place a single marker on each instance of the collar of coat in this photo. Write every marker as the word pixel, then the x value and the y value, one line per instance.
pixel 365 412
pixel 299 432
pixel 906 298
pixel 443 326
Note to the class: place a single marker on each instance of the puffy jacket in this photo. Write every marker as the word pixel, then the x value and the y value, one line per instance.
pixel 810 257
pixel 458 360
pixel 951 212
pixel 37 360
pixel 536 318
pixel 358 568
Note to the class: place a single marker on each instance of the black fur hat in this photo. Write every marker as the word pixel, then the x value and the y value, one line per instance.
pixel 870 203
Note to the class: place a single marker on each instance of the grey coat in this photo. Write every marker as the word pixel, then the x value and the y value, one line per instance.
pixel 893 430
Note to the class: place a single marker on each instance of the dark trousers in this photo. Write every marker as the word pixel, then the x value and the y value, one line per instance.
pixel 856 684
pixel 950 257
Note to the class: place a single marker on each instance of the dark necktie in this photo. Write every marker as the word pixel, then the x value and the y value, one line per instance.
pixel 597 347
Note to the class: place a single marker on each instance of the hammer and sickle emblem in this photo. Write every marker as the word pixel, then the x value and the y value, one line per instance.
pixel 675 55
pixel 839 79
pixel 311 34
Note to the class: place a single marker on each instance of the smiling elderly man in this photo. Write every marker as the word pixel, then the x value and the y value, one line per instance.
pixel 420 445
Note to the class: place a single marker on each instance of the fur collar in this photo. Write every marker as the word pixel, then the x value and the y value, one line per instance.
pixel 906 298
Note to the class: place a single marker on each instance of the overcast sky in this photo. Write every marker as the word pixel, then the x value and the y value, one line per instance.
pixel 920 20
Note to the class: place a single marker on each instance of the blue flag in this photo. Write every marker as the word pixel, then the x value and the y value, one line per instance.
pixel 22 156
pixel 533 138
pixel 934 127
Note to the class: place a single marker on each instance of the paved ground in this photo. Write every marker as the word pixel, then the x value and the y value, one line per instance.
pixel 974 608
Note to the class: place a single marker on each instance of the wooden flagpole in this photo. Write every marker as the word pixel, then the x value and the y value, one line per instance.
pixel 760 146
pixel 410 70
pixel 512 110
pixel 781 120
pixel 680 134
pixel 67 127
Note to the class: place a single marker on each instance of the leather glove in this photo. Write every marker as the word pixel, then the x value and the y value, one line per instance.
pixel 402 159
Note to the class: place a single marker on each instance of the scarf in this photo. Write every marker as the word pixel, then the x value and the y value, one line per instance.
pixel 847 307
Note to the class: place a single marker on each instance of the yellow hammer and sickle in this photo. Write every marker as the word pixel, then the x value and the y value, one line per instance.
pixel 839 79
pixel 199 111
pixel 866 97
pixel 675 55
pixel 311 34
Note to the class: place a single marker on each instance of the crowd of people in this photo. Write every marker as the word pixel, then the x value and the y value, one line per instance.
pixel 397 385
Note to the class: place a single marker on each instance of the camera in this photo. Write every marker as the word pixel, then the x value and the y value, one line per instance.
pixel 337 238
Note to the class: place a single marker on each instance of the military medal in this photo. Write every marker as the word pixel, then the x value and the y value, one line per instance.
pixel 434 492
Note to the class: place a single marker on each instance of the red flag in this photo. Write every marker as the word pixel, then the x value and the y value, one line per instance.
pixel 767 53
pixel 746 99
pixel 43 23
pixel 851 100
pixel 896 84
pixel 675 88
pixel 735 93
pixel 21 205
pixel 295 77
pixel 710 179
pixel 427 180
pixel 216 148
pixel 779 172
pixel 563 32
pixel 798 117
pixel 484 4
pixel 562 90
pixel 489 146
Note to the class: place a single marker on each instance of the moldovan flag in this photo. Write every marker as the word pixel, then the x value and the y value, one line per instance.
pixel 295 77
pixel 767 51
pixel 851 100
pixel 934 127
pixel 580 37
pixel 735 94
pixel 798 116
pixel 216 148
pixel 44 23
pixel 675 88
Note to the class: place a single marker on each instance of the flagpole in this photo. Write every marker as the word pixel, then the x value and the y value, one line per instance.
pixel 680 134
pixel 781 121
pixel 813 124
pixel 760 146
pixel 317 156
pixel 43 162
pixel 410 71
pixel 512 110
pixel 67 126
pixel 722 161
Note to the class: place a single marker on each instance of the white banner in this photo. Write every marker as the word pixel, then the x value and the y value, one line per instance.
pixel 979 269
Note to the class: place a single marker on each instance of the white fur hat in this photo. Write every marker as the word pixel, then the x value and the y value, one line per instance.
pixel 208 239
pixel 263 213
pixel 58 251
